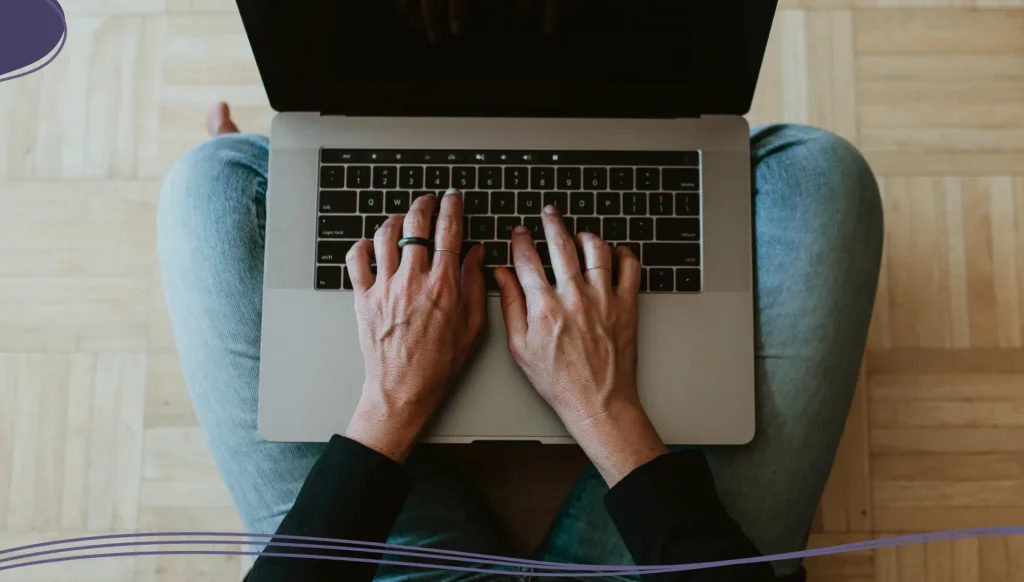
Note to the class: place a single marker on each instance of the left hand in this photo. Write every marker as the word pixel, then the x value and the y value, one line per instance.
pixel 419 320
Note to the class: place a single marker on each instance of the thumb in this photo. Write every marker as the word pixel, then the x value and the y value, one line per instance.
pixel 474 292
pixel 513 303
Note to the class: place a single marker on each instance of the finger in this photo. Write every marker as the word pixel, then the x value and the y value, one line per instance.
pixel 358 262
pixel 449 234
pixel 529 270
pixel 417 223
pixel 562 247
pixel 385 246
pixel 513 305
pixel 598 261
pixel 433 18
pixel 457 16
pixel 629 274
pixel 473 289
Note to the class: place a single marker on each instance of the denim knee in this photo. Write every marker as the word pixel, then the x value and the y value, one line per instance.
pixel 841 199
pixel 211 183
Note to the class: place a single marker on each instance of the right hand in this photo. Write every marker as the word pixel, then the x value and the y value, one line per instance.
pixel 577 342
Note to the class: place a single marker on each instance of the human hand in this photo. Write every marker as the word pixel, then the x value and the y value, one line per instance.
pixel 419 321
pixel 577 342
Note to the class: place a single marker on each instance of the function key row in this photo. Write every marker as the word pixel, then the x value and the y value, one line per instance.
pixel 507 157
pixel 656 280
pixel 511 177
pixel 476 202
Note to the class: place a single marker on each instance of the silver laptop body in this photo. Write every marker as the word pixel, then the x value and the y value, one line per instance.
pixel 696 350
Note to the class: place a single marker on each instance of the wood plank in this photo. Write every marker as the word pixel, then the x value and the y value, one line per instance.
pixel 947 440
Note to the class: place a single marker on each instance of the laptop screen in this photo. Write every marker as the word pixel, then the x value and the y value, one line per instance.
pixel 574 58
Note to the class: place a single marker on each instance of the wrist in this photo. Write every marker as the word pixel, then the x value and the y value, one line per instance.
pixel 617 440
pixel 387 430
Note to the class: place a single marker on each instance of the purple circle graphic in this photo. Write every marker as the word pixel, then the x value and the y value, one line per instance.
pixel 29 31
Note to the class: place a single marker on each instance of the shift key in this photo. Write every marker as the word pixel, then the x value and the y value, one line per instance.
pixel 671 254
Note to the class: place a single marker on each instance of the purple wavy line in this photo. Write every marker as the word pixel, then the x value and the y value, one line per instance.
pixel 590 570
pixel 60 47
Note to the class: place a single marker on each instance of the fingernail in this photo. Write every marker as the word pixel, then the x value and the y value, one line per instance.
pixel 549 209
pixel 520 230
pixel 453 192
pixel 434 194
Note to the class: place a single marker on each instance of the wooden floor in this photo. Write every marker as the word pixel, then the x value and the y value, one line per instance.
pixel 96 431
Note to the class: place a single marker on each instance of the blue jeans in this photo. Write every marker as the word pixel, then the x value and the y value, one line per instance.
pixel 818 237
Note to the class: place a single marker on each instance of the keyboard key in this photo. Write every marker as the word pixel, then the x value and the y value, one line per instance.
pixel 373 224
pixel 687 279
pixel 550 274
pixel 358 177
pixel 614 228
pixel 464 177
pixel 678 229
pixel 662 279
pixel 476 202
pixel 517 178
pixel 338 201
pixel 536 226
pixel 481 228
pixel 503 202
pixel 559 200
pixel 545 253
pixel 346 282
pixel 437 177
pixel 680 179
pixel 489 281
pixel 542 178
pixel 661 203
pixel 328 277
pixel 635 247
pixel 333 156
pixel 641 229
pixel 589 224
pixel 569 178
pixel 332 177
pixel 643 280
pixel 687 204
pixel 528 203
pixel 410 177
pixel 496 253
pixel 333 251
pixel 490 178
pixel 582 203
pixel 595 178
pixel 634 203
pixel 671 255
pixel 505 226
pixel 371 202
pixel 341 227
pixel 570 224
pixel 622 178
pixel 420 193
pixel 608 203
pixel 385 177
pixel 397 202
pixel 648 178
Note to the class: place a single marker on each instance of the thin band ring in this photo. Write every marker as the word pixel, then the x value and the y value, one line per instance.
pixel 454 252
pixel 605 268
pixel 413 240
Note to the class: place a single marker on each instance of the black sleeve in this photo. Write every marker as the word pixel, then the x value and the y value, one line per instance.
pixel 668 512
pixel 352 492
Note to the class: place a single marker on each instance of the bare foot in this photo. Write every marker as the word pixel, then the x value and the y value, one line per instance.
pixel 218 120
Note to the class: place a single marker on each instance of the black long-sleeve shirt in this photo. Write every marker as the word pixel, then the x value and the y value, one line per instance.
pixel 667 512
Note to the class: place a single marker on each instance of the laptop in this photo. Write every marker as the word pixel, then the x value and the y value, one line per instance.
pixel 627 115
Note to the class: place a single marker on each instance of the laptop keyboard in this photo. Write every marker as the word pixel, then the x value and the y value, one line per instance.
pixel 647 200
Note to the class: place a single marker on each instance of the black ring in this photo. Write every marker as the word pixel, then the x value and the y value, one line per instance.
pixel 413 240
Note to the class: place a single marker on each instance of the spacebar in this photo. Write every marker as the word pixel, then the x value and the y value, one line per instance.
pixel 671 254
